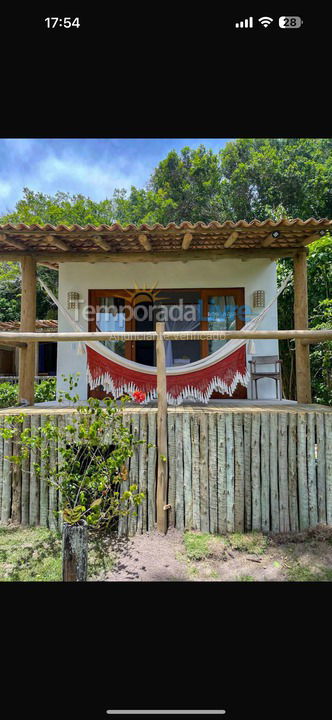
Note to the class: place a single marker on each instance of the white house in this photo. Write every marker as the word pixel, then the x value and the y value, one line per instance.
pixel 189 280
pixel 119 278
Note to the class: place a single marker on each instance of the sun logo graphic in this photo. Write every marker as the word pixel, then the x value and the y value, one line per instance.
pixel 144 294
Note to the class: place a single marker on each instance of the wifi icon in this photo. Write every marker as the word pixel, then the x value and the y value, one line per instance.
pixel 265 21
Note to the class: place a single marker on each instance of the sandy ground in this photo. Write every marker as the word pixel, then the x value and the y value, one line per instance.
pixel 154 557
pixel 149 557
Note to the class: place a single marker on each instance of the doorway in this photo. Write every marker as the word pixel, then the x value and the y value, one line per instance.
pixel 181 309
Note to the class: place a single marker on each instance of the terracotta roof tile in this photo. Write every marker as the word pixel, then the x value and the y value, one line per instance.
pixel 51 239
pixel 46 325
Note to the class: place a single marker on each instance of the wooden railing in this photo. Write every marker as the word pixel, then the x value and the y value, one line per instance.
pixel 306 336
pixel 24 339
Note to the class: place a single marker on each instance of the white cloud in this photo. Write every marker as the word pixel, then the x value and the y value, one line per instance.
pixel 83 175
pixel 5 189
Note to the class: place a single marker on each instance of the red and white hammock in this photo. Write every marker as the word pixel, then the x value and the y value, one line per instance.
pixel 221 371
pixel 197 384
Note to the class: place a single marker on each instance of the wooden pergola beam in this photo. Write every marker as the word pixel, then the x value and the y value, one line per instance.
pixel 57 242
pixel 28 324
pixel 144 241
pixel 155 257
pixel 302 359
pixel 231 239
pixel 11 241
pixel 49 265
pixel 101 242
pixel 187 240
pixel 267 241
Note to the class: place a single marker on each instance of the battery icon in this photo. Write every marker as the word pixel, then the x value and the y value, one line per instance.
pixel 290 21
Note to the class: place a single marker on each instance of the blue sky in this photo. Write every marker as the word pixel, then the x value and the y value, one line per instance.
pixel 92 166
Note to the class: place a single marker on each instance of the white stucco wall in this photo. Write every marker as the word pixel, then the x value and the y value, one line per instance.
pixel 251 274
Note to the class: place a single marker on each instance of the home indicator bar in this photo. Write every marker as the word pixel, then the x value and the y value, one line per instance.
pixel 166 712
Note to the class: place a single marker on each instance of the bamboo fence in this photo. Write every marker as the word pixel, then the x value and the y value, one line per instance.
pixel 229 470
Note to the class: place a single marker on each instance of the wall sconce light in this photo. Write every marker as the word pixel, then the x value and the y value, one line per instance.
pixel 275 233
pixel 73 300
pixel 258 298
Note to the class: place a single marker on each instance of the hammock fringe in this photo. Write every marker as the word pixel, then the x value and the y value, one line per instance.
pixel 189 392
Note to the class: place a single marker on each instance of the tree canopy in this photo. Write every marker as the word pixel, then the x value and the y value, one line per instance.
pixel 248 178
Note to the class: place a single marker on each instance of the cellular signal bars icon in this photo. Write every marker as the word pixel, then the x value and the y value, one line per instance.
pixel 247 23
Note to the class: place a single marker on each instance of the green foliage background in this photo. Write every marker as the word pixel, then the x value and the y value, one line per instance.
pixel 248 178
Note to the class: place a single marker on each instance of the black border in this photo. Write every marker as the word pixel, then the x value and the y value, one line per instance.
pixel 74 650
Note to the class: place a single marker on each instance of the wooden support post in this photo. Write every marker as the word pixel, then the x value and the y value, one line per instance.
pixel 161 430
pixel 28 324
pixel 75 553
pixel 303 382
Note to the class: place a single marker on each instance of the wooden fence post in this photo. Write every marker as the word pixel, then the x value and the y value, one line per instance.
pixel 303 381
pixel 161 430
pixel 26 387
pixel 75 553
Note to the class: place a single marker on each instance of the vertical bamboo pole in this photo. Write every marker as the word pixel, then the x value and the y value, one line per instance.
pixel 256 472
pixel 222 483
pixel 43 484
pixel 7 478
pixel 303 381
pixel 229 473
pixel 212 469
pixel 34 475
pixel 321 468
pixel 25 479
pixel 239 473
pixel 292 474
pixel 283 472
pixel 123 519
pixel 195 471
pixel 134 470
pixel 247 469
pixel 179 488
pixel 28 324
pixel 161 430
pixel 274 490
pixel 16 482
pixel 302 470
pixel 328 466
pixel 265 471
pixel 203 474
pixel 60 446
pixel 143 474
pixel 187 476
pixel 171 468
pixel 151 471
pixel 312 474
pixel 53 496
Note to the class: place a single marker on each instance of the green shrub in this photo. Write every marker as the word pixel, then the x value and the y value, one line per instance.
pixel 8 394
pixel 44 391
pixel 93 449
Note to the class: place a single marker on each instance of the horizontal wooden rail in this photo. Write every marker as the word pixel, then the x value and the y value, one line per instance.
pixel 307 336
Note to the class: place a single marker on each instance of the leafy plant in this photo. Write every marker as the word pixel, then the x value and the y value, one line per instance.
pixel 94 446
pixel 44 391
pixel 8 394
